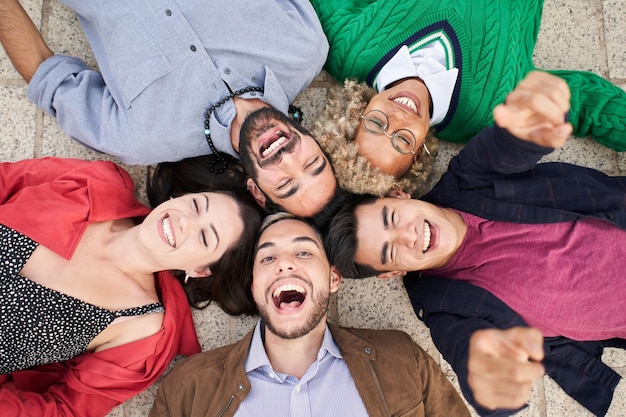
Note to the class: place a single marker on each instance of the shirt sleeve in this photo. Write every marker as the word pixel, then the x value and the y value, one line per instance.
pixel 451 334
pixel 440 397
pixel 495 152
pixel 58 399
pixel 88 385
pixel 16 176
pixel 82 104
pixel 453 310
pixel 52 200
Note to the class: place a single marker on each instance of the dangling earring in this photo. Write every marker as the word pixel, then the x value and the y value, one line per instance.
pixel 425 147
pixel 186 278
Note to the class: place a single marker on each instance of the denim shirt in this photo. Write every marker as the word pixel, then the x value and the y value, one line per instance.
pixel 163 64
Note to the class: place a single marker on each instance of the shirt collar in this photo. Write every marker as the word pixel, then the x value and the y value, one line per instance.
pixel 427 63
pixel 257 357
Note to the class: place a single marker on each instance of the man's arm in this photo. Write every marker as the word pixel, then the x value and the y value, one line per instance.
pixel 455 311
pixel 503 365
pixel 21 39
pixel 530 125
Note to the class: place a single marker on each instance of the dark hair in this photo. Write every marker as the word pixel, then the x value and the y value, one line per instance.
pixel 322 220
pixel 274 218
pixel 341 243
pixel 233 271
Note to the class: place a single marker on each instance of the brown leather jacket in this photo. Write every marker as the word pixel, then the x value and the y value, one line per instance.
pixel 393 375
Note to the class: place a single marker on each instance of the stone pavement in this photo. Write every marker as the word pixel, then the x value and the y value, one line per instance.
pixel 575 34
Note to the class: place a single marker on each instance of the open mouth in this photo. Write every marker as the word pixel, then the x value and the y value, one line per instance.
pixel 427 237
pixel 289 296
pixel 276 141
pixel 166 226
pixel 408 102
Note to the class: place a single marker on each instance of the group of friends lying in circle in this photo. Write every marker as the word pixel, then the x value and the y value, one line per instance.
pixel 255 213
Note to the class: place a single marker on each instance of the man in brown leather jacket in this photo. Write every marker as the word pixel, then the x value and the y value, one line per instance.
pixel 293 362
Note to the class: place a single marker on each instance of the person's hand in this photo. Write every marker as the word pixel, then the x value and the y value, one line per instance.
pixel 536 110
pixel 503 365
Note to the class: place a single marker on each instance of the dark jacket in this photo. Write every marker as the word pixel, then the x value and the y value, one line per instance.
pixel 496 176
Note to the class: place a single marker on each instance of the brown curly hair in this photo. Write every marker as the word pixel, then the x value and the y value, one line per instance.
pixel 335 129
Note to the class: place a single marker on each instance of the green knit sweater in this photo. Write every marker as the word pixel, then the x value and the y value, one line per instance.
pixel 490 42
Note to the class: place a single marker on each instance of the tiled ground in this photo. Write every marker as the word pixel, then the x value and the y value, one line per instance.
pixel 575 34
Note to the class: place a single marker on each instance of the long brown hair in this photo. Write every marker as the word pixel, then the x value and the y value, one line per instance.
pixel 231 275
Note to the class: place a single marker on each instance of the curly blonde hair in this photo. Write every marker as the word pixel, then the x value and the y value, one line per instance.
pixel 335 129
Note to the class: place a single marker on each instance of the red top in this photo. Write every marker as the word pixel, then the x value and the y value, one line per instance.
pixel 52 200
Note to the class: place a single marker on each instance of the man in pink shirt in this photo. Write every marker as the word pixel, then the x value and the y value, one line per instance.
pixel 494 214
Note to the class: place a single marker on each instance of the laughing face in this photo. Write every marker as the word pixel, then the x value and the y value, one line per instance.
pixel 286 163
pixel 292 279
pixel 402 234
pixel 407 106
pixel 190 232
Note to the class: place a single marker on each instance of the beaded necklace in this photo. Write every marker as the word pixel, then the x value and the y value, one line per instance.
pixel 219 164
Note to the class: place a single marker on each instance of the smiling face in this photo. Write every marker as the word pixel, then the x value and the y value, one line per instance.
pixel 292 279
pixel 402 234
pixel 407 106
pixel 286 163
pixel 190 232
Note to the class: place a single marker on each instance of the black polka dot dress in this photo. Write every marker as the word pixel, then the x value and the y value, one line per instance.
pixel 39 325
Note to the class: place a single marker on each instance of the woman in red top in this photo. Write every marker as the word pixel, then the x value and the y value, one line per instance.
pixel 82 305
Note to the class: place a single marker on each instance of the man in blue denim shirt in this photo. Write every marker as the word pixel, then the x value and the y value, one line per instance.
pixel 177 80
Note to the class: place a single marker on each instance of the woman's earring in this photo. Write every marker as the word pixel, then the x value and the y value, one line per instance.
pixel 186 278
pixel 425 148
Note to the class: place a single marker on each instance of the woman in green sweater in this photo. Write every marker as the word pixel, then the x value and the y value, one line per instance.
pixel 436 67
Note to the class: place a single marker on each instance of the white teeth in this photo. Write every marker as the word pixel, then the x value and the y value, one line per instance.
pixel 426 243
pixel 288 287
pixel 167 231
pixel 278 142
pixel 407 102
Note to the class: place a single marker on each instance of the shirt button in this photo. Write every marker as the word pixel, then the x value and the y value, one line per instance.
pixel 227 71
pixel 168 12
pixel 298 388
pixel 193 48
pixel 367 350
pixel 253 79
pixel 241 387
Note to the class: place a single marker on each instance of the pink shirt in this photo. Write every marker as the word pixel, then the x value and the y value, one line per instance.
pixel 563 278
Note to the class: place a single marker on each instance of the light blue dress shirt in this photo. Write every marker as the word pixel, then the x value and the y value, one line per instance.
pixel 164 63
pixel 326 389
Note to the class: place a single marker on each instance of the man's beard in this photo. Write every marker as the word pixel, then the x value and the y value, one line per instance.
pixel 288 148
pixel 253 126
pixel 320 301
